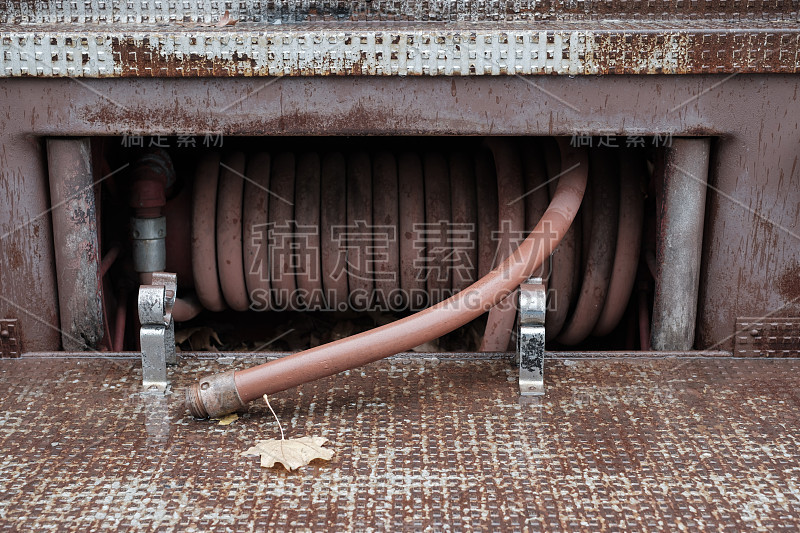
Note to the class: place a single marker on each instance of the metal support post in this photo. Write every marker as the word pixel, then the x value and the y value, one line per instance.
pixel 680 244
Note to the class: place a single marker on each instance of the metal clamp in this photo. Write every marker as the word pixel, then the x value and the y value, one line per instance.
pixel 170 283
pixel 157 335
pixel 530 340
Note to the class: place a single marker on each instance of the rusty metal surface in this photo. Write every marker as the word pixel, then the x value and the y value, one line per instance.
pixel 27 277
pixel 407 49
pixel 750 269
pixel 692 444
pixel 773 336
pixel 138 11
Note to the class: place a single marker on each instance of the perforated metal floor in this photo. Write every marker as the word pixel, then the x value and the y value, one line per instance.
pixel 633 444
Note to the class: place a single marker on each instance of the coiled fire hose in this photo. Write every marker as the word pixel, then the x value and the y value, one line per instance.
pixel 224 393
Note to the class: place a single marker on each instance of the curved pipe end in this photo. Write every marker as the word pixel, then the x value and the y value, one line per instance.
pixel 186 308
pixel 194 402
pixel 214 396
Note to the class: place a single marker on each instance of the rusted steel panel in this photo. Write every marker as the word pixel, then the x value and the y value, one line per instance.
pixel 405 50
pixel 749 267
pixel 77 251
pixel 293 11
pixel 631 445
pixel 622 105
pixel 752 243
pixel 27 274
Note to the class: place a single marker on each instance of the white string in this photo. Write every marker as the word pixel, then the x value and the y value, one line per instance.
pixel 276 416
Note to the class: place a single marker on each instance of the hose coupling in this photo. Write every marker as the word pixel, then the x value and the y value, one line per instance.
pixel 214 396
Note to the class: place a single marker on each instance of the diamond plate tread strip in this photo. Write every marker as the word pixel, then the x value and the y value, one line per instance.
pixel 632 445
pixel 767 337
pixel 412 50
pixel 10 342
pixel 135 11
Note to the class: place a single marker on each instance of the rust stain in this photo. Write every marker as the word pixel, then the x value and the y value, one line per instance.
pixel 141 58
pixel 358 119
pixel 16 259
pixel 789 283
pixel 601 49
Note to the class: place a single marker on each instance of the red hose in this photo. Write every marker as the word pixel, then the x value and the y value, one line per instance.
pixel 629 240
pixel 220 394
pixel 600 245
pixel 510 190
pixel 204 248
pixel 109 259
pixel 644 321
pixel 120 321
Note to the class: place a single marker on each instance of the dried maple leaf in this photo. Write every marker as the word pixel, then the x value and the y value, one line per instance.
pixel 291 453
pixel 226 20
pixel 228 419
pixel 427 347
pixel 199 338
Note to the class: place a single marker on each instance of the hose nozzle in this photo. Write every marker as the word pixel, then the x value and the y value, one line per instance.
pixel 214 396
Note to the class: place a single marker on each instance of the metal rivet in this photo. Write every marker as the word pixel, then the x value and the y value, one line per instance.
pixel 205 385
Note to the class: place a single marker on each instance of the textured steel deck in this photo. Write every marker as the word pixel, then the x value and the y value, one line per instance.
pixel 269 11
pixel 625 444
pixel 407 49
